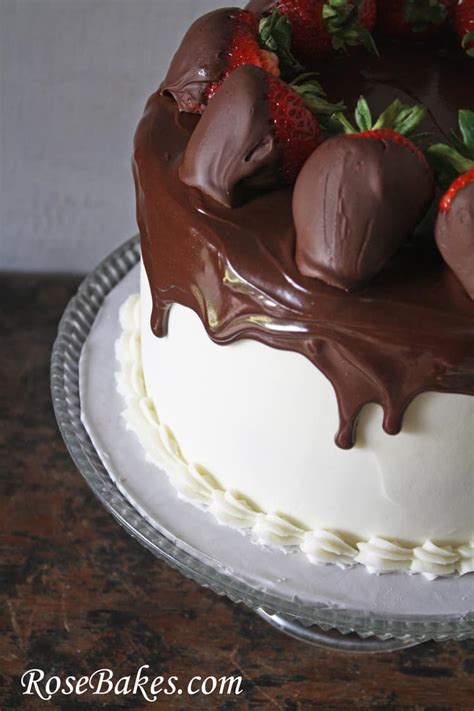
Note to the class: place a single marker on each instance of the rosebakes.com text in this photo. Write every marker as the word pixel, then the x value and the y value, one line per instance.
pixel 36 682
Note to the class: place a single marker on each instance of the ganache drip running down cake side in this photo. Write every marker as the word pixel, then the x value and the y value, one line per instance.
pixel 300 358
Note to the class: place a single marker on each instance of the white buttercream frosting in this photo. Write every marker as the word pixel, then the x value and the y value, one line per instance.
pixel 433 560
pixel 380 556
pixel 327 547
pixel 197 485
pixel 277 530
pixel 231 509
pixel 465 563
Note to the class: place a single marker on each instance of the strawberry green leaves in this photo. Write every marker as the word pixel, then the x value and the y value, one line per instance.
pixel 275 36
pixel 342 22
pixel 312 93
pixel 363 115
pixel 466 127
pixel 448 162
pixel 468 43
pixel 451 161
pixel 421 13
pixel 397 117
pixel 464 25
pixel 401 118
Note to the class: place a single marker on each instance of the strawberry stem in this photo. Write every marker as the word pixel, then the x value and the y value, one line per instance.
pixel 449 161
pixel 312 93
pixel 275 34
pixel 468 43
pixel 398 117
pixel 342 22
pixel 446 159
pixel 421 13
pixel 307 82
pixel 466 127
pixel 363 115
pixel 409 118
pixel 346 125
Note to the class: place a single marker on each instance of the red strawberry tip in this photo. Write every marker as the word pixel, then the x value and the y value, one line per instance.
pixel 458 184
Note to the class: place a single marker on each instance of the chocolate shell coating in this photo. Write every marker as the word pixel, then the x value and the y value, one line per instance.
pixel 200 59
pixel 233 151
pixel 455 237
pixel 411 330
pixel 355 202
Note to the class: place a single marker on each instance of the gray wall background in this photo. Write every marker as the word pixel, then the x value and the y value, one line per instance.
pixel 74 78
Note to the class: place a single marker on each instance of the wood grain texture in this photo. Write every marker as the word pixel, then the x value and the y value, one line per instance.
pixel 79 594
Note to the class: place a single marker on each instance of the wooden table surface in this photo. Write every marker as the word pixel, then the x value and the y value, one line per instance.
pixel 78 594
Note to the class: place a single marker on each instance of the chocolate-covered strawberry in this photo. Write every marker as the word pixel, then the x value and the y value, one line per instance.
pixel 320 27
pixel 360 196
pixel 255 134
pixel 213 47
pixel 415 19
pixel 454 229
pixel 464 24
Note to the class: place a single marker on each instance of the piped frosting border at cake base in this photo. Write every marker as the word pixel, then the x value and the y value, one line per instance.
pixel 196 485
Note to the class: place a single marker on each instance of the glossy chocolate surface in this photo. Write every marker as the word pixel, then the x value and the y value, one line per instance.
pixel 410 331
pixel 200 59
pixel 355 202
pixel 232 151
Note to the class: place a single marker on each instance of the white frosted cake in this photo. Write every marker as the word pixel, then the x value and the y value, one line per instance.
pixel 300 358
pixel 399 503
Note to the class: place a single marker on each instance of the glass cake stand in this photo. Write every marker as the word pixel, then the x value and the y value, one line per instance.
pixel 336 628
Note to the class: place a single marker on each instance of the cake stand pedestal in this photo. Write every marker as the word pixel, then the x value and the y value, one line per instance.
pixel 321 605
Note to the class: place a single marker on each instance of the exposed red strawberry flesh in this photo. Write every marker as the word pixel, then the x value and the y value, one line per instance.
pixel 245 49
pixel 321 26
pixel 388 134
pixel 456 186
pixel 464 24
pixel 368 14
pixel 311 39
pixel 416 19
pixel 296 129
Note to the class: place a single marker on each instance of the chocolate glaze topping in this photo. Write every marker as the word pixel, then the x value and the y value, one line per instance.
pixel 455 237
pixel 200 59
pixel 232 151
pixel 410 331
pixel 355 202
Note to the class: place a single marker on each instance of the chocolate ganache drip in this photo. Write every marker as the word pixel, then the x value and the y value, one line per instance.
pixel 411 330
